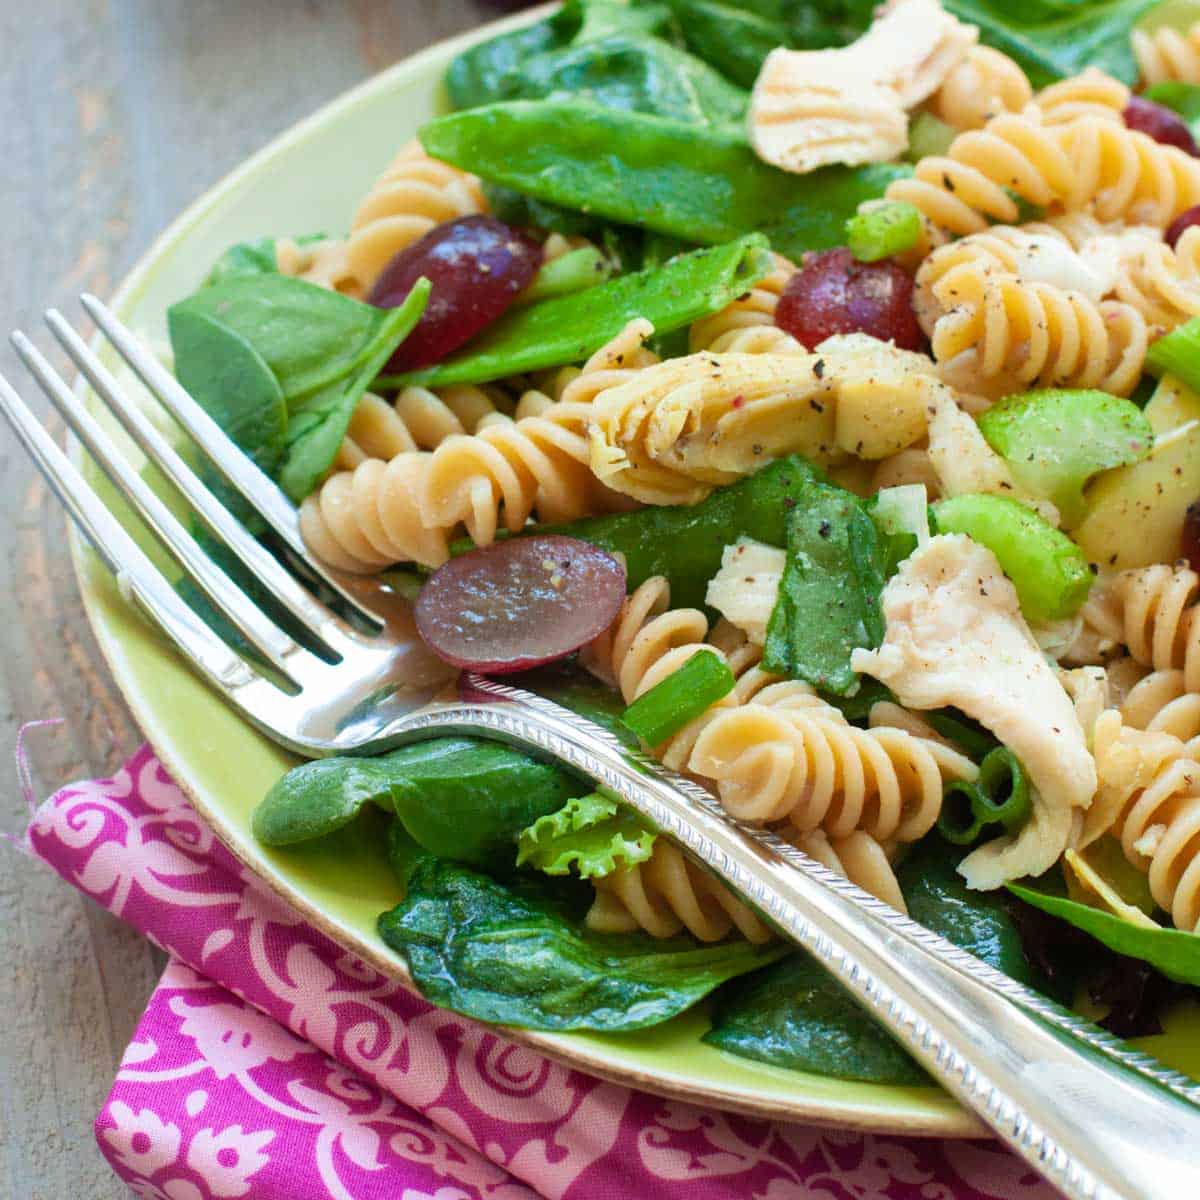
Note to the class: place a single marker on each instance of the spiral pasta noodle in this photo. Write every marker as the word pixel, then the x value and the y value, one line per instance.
pixel 669 893
pixel 418 419
pixel 1161 703
pixel 1168 55
pixel 1090 162
pixel 1091 93
pixel 1161 282
pixel 808 765
pixel 1150 799
pixel 407 508
pixel 753 311
pixel 1157 612
pixel 983 85
pixel 1014 332
pixel 322 263
pixel 649 640
pixel 413 195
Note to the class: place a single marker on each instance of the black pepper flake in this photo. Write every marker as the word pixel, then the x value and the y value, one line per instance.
pixel 825 529
pixel 816 406
pixel 819 368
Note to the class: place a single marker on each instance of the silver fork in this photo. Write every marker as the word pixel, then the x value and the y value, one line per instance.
pixel 1098 1120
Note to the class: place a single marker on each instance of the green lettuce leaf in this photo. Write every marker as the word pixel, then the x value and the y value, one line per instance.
pixel 517 953
pixel 592 833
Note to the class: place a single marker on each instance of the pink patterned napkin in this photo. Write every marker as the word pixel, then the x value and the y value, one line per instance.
pixel 270 1063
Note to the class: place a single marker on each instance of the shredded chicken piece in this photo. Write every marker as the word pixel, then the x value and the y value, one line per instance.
pixel 744 590
pixel 956 636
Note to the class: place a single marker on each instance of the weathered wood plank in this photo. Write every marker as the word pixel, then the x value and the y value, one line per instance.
pixel 118 113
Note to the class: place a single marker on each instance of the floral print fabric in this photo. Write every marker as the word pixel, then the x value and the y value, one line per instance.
pixel 272 1064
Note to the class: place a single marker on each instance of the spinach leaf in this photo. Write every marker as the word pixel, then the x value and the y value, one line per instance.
pixel 1174 952
pixel 318 423
pixel 636 74
pixel 695 182
pixel 514 954
pixel 462 798
pixel 228 378
pixel 829 594
pixel 795 1015
pixel 310 337
pixel 569 328
pixel 685 543
pixel 734 38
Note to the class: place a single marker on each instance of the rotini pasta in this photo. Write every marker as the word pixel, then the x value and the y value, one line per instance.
pixel 1091 162
pixel 1157 611
pixel 1162 283
pixel 1091 93
pixel 321 263
pixel 983 85
pixel 1161 703
pixel 668 893
pixel 1149 797
pixel 405 509
pixel 810 766
pixel 418 419
pixel 648 641
pixel 413 195
pixel 753 311
pixel 1168 55
pixel 999 333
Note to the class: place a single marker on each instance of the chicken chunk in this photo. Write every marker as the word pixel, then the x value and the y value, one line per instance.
pixel 746 587
pixel 956 636
pixel 810 108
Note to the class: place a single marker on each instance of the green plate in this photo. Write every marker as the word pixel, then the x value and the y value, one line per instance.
pixel 309 179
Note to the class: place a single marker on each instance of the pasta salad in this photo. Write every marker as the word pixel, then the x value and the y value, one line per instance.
pixel 811 396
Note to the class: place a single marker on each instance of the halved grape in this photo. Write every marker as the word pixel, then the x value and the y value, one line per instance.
pixel 519 603
pixel 478 266
pixel 1160 123
pixel 835 293
pixel 1181 224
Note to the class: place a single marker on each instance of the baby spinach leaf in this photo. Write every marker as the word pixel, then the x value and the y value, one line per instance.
pixel 1175 952
pixel 569 328
pixel 310 337
pixel 510 953
pixel 318 423
pixel 829 595
pixel 795 1015
pixel 462 798
pixel 734 38
pixel 636 74
pixel 700 183
pixel 685 543
pixel 592 834
pixel 229 379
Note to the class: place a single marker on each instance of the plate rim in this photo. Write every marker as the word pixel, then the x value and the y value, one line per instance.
pixel 950 1122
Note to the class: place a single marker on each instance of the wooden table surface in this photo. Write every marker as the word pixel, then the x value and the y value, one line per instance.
pixel 116 114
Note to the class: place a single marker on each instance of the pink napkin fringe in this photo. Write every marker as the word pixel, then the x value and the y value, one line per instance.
pixel 271 1063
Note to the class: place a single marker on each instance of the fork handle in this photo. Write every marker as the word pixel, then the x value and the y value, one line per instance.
pixel 1095 1127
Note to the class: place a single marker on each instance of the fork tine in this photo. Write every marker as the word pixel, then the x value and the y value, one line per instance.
pixel 270 641
pixel 309 611
pixel 260 492
pixel 135 574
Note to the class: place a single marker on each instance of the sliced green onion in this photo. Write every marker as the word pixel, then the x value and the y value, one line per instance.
pixel 1000 796
pixel 969 736
pixel 570 272
pixel 1178 353
pixel 668 706
pixel 928 135
pixel 883 230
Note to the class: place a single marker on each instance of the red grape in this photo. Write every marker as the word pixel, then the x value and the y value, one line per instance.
pixel 835 293
pixel 477 265
pixel 1182 223
pixel 1191 535
pixel 1160 123
pixel 519 603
